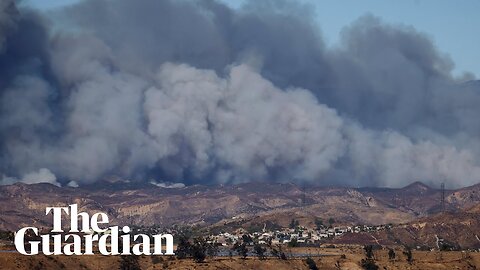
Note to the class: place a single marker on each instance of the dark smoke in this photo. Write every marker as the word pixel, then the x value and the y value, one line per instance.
pixel 196 92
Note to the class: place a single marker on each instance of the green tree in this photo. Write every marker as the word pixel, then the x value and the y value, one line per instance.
pixel 293 242
pixel 212 249
pixel 369 264
pixel 318 223
pixel 331 221
pixel 183 248
pixel 278 252
pixel 129 262
pixel 259 251
pixel 199 250
pixel 391 254
pixel 408 253
pixel 241 249
pixel 311 264
pixel 247 239
pixel 369 252
pixel 292 224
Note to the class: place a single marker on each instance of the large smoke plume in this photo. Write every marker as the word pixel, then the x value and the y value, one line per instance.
pixel 197 92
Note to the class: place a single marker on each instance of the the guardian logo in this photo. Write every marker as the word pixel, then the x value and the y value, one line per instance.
pixel 110 241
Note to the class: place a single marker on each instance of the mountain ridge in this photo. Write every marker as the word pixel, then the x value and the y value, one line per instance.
pixel 231 199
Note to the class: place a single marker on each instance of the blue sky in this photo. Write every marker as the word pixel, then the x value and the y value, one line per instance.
pixel 453 25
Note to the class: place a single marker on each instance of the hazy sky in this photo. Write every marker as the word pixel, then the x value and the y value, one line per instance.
pixel 453 25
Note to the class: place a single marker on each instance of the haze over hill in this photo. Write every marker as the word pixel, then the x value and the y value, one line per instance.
pixel 199 93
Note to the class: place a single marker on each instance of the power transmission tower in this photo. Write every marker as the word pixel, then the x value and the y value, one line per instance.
pixel 303 196
pixel 443 197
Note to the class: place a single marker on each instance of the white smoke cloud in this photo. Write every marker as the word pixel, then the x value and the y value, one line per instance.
pixel 389 158
pixel 149 102
pixel 242 125
pixel 167 184
pixel 72 184
pixel 43 175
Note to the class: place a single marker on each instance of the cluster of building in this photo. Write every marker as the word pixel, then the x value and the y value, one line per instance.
pixel 298 235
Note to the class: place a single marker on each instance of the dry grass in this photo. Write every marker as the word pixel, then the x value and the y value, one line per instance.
pixel 353 255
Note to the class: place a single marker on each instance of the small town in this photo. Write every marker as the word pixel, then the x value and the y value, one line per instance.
pixel 296 236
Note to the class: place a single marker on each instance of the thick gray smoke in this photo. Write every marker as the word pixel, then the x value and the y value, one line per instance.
pixel 196 92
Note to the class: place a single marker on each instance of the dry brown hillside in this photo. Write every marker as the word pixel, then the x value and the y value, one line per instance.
pixel 416 207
